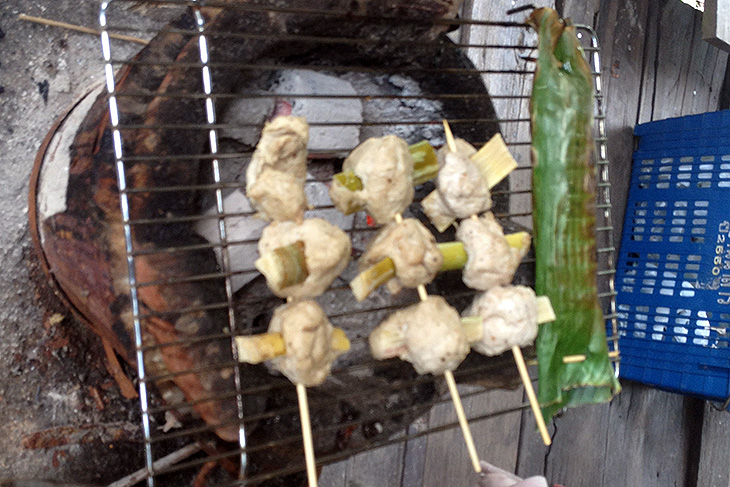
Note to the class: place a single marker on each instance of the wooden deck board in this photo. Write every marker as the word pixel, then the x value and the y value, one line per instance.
pixel 714 468
pixel 496 439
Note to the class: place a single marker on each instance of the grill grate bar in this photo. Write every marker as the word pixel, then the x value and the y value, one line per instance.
pixel 412 123
pixel 319 96
pixel 339 14
pixel 297 38
pixel 349 69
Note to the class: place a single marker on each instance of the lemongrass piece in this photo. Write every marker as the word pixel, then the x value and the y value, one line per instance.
pixel 307 435
pixel 545 311
pixel 494 161
pixel 425 168
pixel 255 349
pixel 473 328
pixel 455 256
pixel 372 278
pixel 613 354
pixel 348 181
pixel 425 163
pixel 519 240
pixel 284 266
pixel 340 342
pixel 534 405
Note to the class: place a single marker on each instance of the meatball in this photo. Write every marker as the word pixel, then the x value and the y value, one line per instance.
pixel 461 186
pixel 307 335
pixel 428 334
pixel 278 196
pixel 413 250
pixel 509 318
pixel 278 169
pixel 326 251
pixel 462 147
pixel 491 260
pixel 461 190
pixel 385 168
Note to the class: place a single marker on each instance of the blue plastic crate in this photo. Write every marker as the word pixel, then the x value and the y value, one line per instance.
pixel 673 269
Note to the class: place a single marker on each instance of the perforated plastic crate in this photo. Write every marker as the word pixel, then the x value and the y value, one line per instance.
pixel 673 270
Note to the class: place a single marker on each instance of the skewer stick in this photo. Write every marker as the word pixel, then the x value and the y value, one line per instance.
pixel 459 407
pixel 306 430
pixel 449 137
pixel 78 28
pixel 574 359
pixel 520 360
pixel 307 435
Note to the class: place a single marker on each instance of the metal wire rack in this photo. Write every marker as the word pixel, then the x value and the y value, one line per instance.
pixel 384 72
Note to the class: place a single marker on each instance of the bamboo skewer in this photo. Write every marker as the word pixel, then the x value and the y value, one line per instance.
pixel 79 28
pixel 306 430
pixel 307 435
pixel 519 359
pixel 459 407
pixel 456 398
pixel 574 359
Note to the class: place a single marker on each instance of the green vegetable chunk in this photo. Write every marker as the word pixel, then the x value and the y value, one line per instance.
pixel 564 219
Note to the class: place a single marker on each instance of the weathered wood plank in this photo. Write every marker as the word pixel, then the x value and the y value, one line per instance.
pixel 381 467
pixel 714 469
pixel 653 431
pixel 683 74
pixel 716 23
pixel 622 31
pixel 496 439
pixel 705 73
pixel 580 12
pixel 513 112
pixel 415 455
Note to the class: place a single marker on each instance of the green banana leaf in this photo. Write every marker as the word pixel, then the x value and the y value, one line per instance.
pixel 564 219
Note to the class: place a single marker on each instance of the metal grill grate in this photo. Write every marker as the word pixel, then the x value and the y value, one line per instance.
pixel 208 63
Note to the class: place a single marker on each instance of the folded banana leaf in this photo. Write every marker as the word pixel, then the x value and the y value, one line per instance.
pixel 564 219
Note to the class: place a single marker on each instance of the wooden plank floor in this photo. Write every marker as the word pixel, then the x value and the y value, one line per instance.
pixel 655 66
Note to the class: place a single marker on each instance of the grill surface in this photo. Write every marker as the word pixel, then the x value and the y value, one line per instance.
pixel 404 86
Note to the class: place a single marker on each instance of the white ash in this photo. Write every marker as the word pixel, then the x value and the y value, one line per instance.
pixel 245 228
pixel 347 111
pixel 248 113
pixel 404 110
